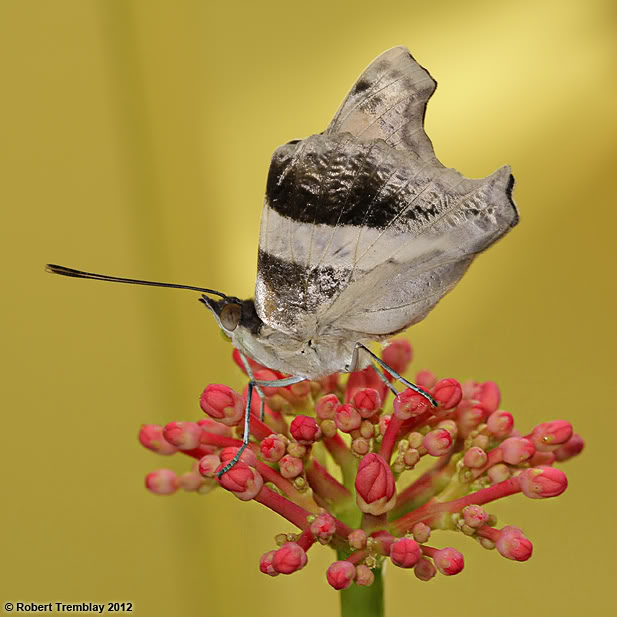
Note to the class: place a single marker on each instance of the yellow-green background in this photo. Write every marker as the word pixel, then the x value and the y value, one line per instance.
pixel 135 139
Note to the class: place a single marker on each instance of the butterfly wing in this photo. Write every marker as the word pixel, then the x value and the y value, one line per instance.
pixel 399 277
pixel 388 102
pixel 363 230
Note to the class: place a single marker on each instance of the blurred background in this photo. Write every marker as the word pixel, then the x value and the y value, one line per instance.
pixel 136 137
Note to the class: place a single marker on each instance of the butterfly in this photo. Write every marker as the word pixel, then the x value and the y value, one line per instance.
pixel 363 231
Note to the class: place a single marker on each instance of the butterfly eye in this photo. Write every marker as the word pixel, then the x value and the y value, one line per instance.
pixel 230 316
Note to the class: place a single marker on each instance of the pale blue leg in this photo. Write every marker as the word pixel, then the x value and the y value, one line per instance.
pixel 276 383
pixel 394 374
pixel 249 371
pixel 383 378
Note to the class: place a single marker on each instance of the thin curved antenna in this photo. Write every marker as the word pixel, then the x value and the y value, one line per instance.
pixel 64 271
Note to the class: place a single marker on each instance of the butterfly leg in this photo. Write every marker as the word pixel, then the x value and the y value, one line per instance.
pixel 254 383
pixel 383 377
pixel 249 371
pixel 380 362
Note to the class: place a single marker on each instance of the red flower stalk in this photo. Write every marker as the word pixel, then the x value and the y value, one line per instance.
pixel 312 428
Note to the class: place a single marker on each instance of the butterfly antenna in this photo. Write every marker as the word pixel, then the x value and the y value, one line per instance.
pixel 64 271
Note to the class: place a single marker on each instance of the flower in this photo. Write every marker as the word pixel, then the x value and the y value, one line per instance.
pixel 289 558
pixel 405 552
pixel 375 489
pixel 337 461
pixel 341 574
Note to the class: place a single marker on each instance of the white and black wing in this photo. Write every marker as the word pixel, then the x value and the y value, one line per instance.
pixel 363 230
pixel 388 102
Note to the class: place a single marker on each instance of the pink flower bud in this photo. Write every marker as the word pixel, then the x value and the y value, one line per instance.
pixel 397 355
pixel 424 569
pixel 300 390
pixel 448 393
pixel 409 403
pixel 357 539
pixel 273 448
pixel 498 473
pixel 296 449
pixel 450 426
pixel 241 480
pixel 405 552
pixel 208 465
pixel 549 436
pixel 248 456
pixel 469 415
pixel 367 402
pixel 437 442
pixel 265 564
pixel 305 430
pixel 341 574
pixel 347 418
pixel 323 527
pixel 512 544
pixel 475 458
pixel 375 489
pixel 290 558
pixel 471 389
pixel 183 435
pixel 212 426
pixel 426 379
pixel 517 450
pixel 364 576
pixel 367 429
pixel 475 516
pixel 223 404
pixel 366 378
pixel 421 532
pixel 360 446
pixel 542 482
pixel 542 458
pixel 411 457
pixel 500 423
pixel 384 421
pixel 448 561
pixel 489 396
pixel 571 448
pixel 481 441
pixel 290 466
pixel 328 428
pixel 151 437
pixel 415 440
pixel 162 482
pixel 190 481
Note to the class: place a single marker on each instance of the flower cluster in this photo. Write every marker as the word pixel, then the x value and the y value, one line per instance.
pixel 371 484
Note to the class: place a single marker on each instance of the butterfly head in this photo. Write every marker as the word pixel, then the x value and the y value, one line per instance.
pixel 233 315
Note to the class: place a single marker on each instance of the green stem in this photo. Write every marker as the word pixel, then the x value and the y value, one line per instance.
pixel 359 601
